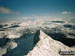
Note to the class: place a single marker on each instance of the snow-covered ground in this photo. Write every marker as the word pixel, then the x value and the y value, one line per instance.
pixel 18 36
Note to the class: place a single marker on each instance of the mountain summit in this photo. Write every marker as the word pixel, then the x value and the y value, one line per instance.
pixel 46 46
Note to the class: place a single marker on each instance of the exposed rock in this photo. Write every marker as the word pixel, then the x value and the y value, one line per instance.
pixel 8 47
pixel 3 41
pixel 20 47
pixel 46 46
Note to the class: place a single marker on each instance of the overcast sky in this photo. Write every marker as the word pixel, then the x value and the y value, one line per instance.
pixel 23 8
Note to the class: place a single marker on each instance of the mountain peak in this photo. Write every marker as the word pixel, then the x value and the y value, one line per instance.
pixel 46 46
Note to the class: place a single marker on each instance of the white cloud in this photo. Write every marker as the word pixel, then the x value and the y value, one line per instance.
pixel 4 10
pixel 66 12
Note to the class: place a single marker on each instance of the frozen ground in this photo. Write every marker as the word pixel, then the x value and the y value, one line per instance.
pixel 18 37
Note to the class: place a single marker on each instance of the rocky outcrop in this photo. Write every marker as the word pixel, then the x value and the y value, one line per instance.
pixel 46 46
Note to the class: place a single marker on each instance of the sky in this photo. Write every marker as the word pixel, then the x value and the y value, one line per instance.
pixel 13 9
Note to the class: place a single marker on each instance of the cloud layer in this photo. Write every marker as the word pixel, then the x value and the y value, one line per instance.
pixel 4 10
pixel 66 12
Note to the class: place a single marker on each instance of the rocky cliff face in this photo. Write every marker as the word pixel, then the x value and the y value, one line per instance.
pixel 46 46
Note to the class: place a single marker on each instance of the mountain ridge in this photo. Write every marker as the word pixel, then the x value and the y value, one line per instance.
pixel 46 46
